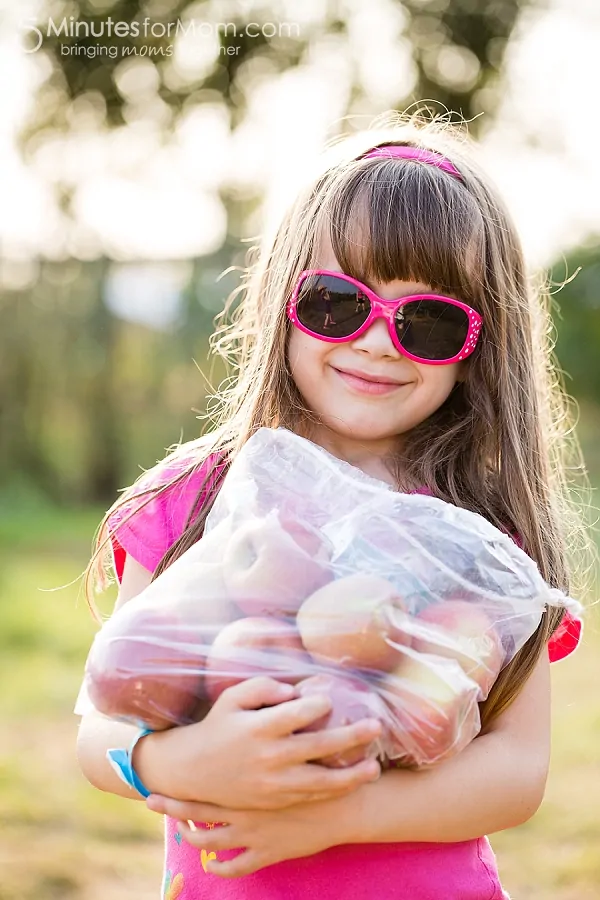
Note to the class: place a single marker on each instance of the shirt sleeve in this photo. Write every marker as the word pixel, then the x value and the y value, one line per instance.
pixel 146 526
pixel 567 636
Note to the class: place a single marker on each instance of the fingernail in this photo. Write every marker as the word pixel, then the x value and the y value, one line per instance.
pixel 286 688
pixel 372 727
pixel 374 770
pixel 321 700
pixel 154 802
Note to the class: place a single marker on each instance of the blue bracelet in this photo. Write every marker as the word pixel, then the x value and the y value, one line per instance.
pixel 121 761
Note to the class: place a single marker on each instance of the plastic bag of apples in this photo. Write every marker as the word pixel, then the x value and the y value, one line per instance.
pixel 398 606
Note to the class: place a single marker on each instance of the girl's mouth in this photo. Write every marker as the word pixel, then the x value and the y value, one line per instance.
pixel 367 386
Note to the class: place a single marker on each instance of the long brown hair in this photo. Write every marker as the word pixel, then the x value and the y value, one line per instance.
pixel 502 443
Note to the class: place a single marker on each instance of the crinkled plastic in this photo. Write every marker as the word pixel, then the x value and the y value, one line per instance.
pixel 397 606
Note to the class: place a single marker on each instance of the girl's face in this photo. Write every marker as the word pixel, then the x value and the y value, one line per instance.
pixel 361 421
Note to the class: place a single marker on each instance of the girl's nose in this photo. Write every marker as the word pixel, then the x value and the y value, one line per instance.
pixel 377 339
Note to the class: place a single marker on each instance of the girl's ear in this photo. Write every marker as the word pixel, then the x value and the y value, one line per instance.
pixel 461 372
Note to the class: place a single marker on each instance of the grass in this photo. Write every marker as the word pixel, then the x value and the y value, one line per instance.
pixel 61 838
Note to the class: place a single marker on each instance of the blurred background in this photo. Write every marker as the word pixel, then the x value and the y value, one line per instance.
pixel 142 147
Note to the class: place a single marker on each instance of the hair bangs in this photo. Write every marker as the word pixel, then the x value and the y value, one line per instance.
pixel 410 222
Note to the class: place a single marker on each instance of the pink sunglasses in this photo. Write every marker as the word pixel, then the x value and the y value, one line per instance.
pixel 428 328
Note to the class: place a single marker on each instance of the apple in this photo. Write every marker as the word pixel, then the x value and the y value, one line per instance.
pixel 434 706
pixel 255 646
pixel 308 538
pixel 145 667
pixel 355 622
pixel 210 548
pixel 352 700
pixel 460 630
pixel 198 592
pixel 270 570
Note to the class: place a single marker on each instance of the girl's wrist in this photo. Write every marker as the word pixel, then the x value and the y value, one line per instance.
pixel 340 819
pixel 356 812
pixel 161 765
pixel 152 763
pixel 121 760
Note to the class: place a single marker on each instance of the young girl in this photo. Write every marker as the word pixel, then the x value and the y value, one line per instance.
pixel 409 389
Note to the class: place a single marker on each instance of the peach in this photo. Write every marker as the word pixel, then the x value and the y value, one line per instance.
pixel 460 630
pixel 434 706
pixel 255 646
pixel 352 700
pixel 269 570
pixel 144 668
pixel 354 622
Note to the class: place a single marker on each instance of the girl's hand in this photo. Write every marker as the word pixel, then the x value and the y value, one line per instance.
pixel 266 836
pixel 242 756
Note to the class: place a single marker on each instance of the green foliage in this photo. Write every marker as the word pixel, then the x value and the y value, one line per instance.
pixel 458 49
pixel 577 320
pixel 87 398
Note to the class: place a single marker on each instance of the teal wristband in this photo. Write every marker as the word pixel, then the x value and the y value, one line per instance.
pixel 121 761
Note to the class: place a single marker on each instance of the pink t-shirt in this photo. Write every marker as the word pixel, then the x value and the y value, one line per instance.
pixel 402 871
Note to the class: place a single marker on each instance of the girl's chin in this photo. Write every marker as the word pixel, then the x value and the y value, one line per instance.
pixel 357 428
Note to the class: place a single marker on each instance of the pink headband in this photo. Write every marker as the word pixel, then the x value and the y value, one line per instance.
pixel 425 156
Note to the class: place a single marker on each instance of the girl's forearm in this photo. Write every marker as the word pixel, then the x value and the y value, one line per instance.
pixel 97 734
pixel 490 786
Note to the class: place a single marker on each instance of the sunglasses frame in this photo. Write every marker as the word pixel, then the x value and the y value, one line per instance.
pixel 386 309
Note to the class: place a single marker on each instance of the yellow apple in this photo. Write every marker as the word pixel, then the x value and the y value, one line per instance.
pixel 354 622
pixel 461 630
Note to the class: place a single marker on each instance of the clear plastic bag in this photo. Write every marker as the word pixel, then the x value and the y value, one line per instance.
pixel 398 606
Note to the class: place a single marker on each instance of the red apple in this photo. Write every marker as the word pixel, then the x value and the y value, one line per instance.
pixel 255 646
pixel 308 538
pixel 460 630
pixel 199 594
pixel 269 570
pixel 352 700
pixel 434 706
pixel 354 622
pixel 212 545
pixel 145 667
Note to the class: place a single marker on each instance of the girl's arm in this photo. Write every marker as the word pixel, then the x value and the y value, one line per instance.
pixel 497 782
pixel 196 761
pixel 97 734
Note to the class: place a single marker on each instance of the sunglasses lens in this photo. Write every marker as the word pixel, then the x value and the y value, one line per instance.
pixel 432 329
pixel 331 306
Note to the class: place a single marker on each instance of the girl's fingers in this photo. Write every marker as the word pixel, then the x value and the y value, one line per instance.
pixel 319 744
pixel 254 693
pixel 293 715
pixel 209 839
pixel 364 777
pixel 243 864
pixel 312 780
pixel 184 810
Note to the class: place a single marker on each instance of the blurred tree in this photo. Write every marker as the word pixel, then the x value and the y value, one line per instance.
pixel 87 397
pixel 577 319
pixel 458 47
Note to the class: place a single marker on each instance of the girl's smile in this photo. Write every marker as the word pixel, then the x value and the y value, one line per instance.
pixel 368 383
pixel 371 385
